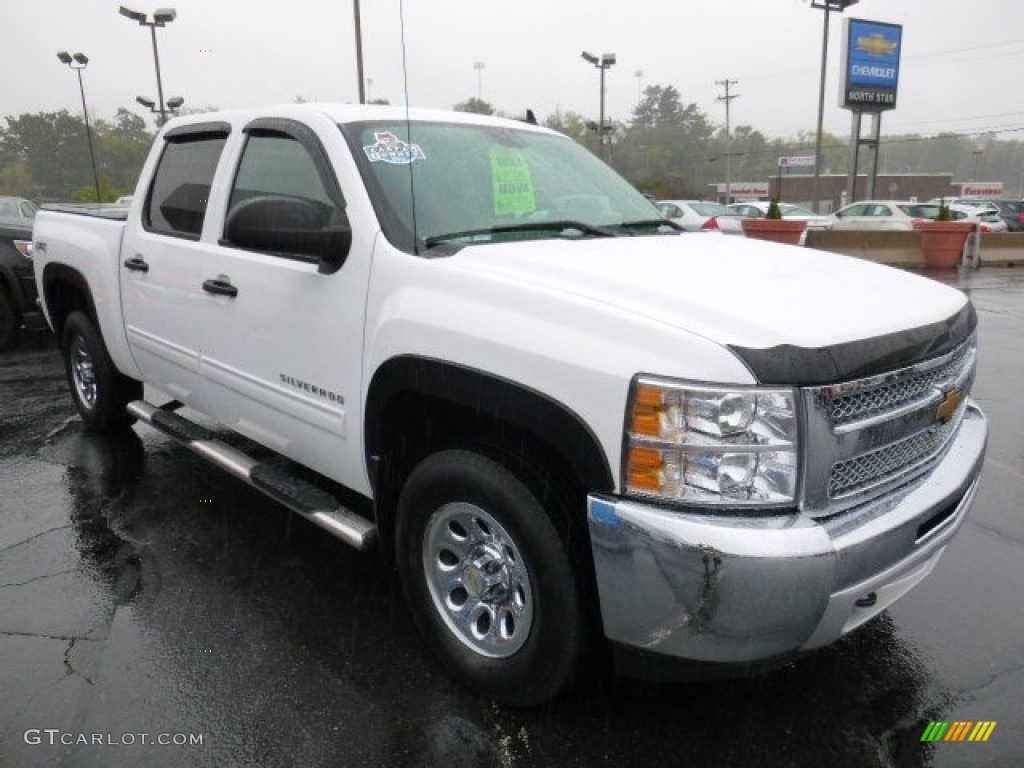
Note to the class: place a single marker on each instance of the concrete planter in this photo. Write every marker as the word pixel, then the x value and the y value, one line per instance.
pixel 942 242
pixel 786 231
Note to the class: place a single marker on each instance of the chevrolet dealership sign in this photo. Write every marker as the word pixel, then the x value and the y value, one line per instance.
pixel 871 65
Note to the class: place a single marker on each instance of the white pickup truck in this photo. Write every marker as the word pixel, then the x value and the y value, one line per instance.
pixel 570 427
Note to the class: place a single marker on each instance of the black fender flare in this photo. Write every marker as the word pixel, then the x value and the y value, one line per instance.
pixel 55 273
pixel 525 408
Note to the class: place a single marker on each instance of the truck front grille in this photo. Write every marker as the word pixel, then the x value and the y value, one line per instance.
pixel 872 434
pixel 887 393
pixel 885 464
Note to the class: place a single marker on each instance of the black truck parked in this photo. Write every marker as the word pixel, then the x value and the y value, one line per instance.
pixel 17 282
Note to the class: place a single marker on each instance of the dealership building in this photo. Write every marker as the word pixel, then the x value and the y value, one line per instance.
pixel 799 189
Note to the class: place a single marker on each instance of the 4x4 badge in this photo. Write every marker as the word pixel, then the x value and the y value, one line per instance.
pixel 949 405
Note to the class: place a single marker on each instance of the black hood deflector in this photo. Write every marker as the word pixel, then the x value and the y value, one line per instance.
pixel 804 366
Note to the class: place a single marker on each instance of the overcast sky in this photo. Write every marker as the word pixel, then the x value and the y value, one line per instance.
pixel 961 61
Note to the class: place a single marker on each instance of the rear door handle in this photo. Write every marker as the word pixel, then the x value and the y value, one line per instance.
pixel 137 264
pixel 220 287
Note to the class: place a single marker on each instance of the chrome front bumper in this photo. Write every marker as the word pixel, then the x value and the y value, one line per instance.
pixel 716 588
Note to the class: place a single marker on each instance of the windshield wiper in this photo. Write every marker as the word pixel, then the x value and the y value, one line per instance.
pixel 532 226
pixel 650 224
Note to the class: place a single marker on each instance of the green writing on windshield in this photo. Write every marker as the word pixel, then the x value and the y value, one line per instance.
pixel 512 182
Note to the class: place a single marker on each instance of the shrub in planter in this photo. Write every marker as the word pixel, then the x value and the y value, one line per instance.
pixel 773 227
pixel 942 239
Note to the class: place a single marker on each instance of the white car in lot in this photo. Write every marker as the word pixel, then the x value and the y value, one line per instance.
pixel 883 214
pixel 895 215
pixel 693 215
pixel 985 219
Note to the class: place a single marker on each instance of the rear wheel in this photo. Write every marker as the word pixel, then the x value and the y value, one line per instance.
pixel 488 579
pixel 8 321
pixel 100 392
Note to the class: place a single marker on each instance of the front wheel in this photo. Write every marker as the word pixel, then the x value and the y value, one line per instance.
pixel 488 579
pixel 100 392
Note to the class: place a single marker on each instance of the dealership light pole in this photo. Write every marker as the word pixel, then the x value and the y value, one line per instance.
pixel 359 51
pixel 161 18
pixel 604 63
pixel 827 6
pixel 78 62
pixel 172 104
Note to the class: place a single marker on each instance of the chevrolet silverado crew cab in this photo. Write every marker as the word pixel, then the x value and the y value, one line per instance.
pixel 569 426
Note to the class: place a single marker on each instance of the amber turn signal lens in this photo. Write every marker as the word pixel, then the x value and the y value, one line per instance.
pixel 648 406
pixel 645 469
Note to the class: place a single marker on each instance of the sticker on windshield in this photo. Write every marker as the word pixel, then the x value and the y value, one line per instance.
pixel 512 182
pixel 391 149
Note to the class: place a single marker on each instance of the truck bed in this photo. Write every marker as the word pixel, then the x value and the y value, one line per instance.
pixel 97 210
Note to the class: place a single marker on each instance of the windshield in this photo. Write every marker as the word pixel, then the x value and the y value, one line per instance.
pixel 485 183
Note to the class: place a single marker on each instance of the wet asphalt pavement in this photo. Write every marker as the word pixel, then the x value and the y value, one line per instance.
pixel 146 596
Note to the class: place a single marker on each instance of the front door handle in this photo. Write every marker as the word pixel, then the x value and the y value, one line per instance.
pixel 137 264
pixel 220 287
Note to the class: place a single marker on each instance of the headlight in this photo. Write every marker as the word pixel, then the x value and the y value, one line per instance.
pixel 728 446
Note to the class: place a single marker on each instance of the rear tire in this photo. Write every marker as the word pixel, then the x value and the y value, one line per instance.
pixel 9 322
pixel 100 392
pixel 488 579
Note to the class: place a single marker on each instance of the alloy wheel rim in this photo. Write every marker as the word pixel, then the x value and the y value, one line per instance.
pixel 478 580
pixel 84 373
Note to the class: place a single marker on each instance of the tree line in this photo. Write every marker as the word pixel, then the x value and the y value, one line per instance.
pixel 666 148
pixel 45 156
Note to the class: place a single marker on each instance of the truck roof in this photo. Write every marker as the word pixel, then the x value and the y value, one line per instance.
pixel 351 113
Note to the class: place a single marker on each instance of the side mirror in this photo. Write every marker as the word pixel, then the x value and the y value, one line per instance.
pixel 291 226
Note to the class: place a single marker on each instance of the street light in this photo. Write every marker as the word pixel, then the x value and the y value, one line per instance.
pixel 161 18
pixel 78 62
pixel 826 6
pixel 605 62
pixel 173 104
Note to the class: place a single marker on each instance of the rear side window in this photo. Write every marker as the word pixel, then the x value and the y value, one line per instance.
pixel 181 185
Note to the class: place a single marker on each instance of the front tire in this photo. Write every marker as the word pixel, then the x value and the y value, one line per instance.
pixel 488 579
pixel 100 392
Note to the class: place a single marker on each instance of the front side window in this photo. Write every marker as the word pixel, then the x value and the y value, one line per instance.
pixel 181 185
pixel 464 183
pixel 276 164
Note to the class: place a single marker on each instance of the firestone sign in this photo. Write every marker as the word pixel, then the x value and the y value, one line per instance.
pixel 871 65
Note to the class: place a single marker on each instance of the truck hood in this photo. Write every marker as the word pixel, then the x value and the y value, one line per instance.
pixel 737 292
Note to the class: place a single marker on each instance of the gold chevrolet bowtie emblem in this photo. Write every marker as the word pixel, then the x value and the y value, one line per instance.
pixel 876 45
pixel 949 405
